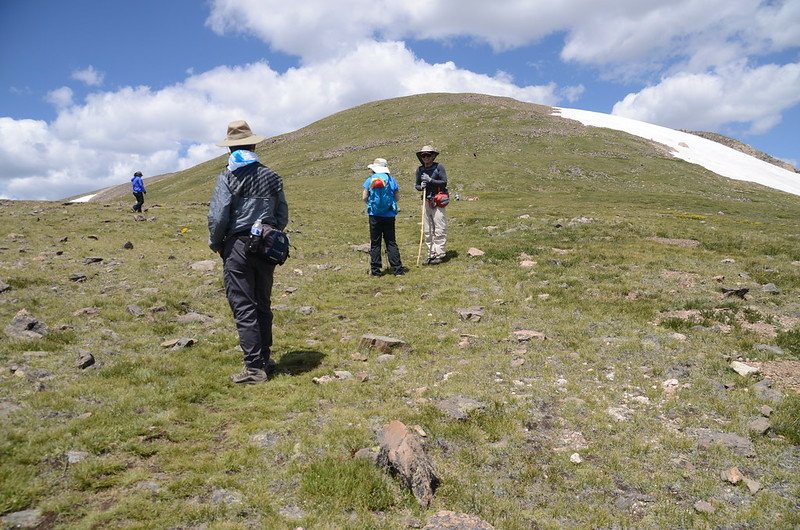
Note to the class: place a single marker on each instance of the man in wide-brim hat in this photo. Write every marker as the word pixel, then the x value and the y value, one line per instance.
pixel 432 179
pixel 247 191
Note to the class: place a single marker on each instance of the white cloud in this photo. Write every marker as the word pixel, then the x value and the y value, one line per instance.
pixel 89 76
pixel 112 134
pixel 735 93
pixel 706 54
pixel 60 98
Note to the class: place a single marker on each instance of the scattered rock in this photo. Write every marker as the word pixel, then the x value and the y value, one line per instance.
pixel 459 407
pixel 7 408
pixel 382 344
pixel 474 252
pixel 766 411
pixel 204 266
pixel 74 457
pixel 189 318
pixel 367 453
pixel 753 486
pixel 446 520
pixel 134 310
pixel 305 310
pixel 92 259
pixel 524 335
pixel 768 348
pixel 128 245
pixel 473 314
pixel 743 369
pixel 148 485
pixel 402 452
pixel 226 497
pixel 85 360
pixel 739 292
pixel 764 390
pixel 177 344
pixel 4 286
pixel 670 386
pixel 77 278
pixel 25 326
pixel 575 458
pixel 771 288
pixel 704 507
pixel 759 425
pixel 708 437
pixel 361 248
pixel 23 519
pixel 265 440
pixel 732 475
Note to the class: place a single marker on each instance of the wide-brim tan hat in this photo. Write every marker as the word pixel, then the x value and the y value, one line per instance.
pixel 427 149
pixel 379 165
pixel 239 133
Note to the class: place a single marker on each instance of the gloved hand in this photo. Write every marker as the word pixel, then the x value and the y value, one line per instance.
pixel 419 187
pixel 425 178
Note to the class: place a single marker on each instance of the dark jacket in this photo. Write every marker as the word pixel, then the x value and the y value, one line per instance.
pixel 242 196
pixel 438 179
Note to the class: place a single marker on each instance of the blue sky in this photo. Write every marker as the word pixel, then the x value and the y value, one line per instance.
pixel 93 90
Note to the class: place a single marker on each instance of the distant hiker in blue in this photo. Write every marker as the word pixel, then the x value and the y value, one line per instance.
pixel 138 191
pixel 381 193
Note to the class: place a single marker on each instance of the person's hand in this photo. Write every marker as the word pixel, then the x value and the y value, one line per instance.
pixel 425 178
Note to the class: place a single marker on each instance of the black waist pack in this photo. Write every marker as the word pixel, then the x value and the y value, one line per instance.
pixel 272 245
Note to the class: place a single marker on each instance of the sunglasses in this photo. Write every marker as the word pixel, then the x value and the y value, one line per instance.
pixel 426 155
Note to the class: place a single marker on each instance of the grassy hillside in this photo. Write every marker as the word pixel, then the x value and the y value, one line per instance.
pixel 628 251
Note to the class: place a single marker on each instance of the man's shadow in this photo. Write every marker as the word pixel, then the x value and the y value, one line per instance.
pixel 298 361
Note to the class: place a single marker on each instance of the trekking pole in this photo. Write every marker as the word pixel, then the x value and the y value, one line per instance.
pixel 421 227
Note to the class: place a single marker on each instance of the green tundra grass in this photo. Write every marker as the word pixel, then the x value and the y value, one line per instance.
pixel 623 237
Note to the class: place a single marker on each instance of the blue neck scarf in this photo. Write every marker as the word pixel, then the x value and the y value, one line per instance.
pixel 241 158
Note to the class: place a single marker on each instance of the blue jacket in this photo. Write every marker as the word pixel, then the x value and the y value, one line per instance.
pixel 138 185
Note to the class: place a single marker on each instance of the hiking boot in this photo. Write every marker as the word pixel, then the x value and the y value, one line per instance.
pixel 435 260
pixel 375 273
pixel 250 376
pixel 400 271
pixel 270 366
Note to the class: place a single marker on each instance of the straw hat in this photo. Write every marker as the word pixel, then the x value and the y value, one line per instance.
pixel 427 149
pixel 239 133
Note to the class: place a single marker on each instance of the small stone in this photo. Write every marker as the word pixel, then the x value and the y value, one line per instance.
pixel 771 288
pixel 753 485
pixel 74 457
pixel 732 475
pixel 474 252
pixel 23 519
pixel 85 360
pixel 743 369
pixel 524 335
pixel 473 314
pixel 204 266
pixel 128 245
pixel 575 458
pixel 362 377
pixel 758 425
pixel 704 507
pixel 342 374
pixel 766 411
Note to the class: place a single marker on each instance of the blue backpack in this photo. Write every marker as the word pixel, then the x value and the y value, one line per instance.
pixel 381 197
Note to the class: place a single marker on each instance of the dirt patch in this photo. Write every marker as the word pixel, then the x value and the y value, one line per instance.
pixel 687 243
pixel 783 374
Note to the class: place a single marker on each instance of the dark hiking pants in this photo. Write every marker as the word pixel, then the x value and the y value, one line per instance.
pixel 139 201
pixel 248 286
pixel 383 228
